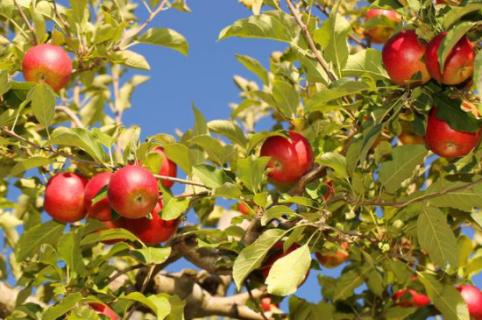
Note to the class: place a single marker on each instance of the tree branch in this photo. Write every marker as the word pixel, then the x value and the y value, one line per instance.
pixel 27 22
pixel 8 298
pixel 75 120
pixel 314 173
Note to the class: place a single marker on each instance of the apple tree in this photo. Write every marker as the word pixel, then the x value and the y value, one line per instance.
pixel 370 164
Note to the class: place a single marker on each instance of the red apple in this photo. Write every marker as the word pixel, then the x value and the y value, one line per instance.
pixel 168 168
pixel 64 197
pixel 243 208
pixel 105 310
pixel 335 258
pixel 100 210
pixel 473 298
pixel 459 64
pixel 267 304
pixel 47 63
pixel 403 58
pixel 447 142
pixel 290 157
pixel 133 192
pixel 380 33
pixel 410 298
pixel 151 231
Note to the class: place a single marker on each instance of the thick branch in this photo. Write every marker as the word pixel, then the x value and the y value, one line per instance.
pixel 8 297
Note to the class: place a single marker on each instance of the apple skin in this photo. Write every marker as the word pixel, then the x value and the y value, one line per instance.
pixel 380 34
pixel 403 57
pixel 459 65
pixel 410 298
pixel 101 210
pixel 64 197
pixel 151 231
pixel 473 298
pixel 168 168
pixel 267 304
pixel 47 63
pixel 447 142
pixel 290 157
pixel 243 208
pixel 334 259
pixel 105 310
pixel 133 192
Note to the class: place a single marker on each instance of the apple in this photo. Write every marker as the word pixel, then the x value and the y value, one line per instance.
pixel 277 253
pixel 459 64
pixel 473 298
pixel 267 304
pixel 168 168
pixel 64 197
pixel 334 258
pixel 290 157
pixel 408 136
pixel 47 63
pixel 448 142
pixel 380 33
pixel 100 210
pixel 105 310
pixel 403 58
pixel 410 298
pixel 151 231
pixel 133 192
pixel 243 208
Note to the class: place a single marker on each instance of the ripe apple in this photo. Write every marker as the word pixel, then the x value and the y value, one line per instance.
pixel 408 136
pixel 47 63
pixel 105 310
pixel 100 210
pixel 277 253
pixel 133 192
pixel 290 157
pixel 335 258
pixel 459 64
pixel 403 58
pixel 410 298
pixel 267 304
pixel 168 168
pixel 380 33
pixel 151 231
pixel 243 208
pixel 447 142
pixel 473 298
pixel 64 197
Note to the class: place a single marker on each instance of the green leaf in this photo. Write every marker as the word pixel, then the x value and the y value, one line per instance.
pixel 465 199
pixel 131 59
pixel 125 93
pixel 159 304
pixel 174 208
pixel 43 103
pixel 450 111
pixel 107 235
pixel 179 153
pixel 228 191
pixel 436 238
pixel 65 305
pixel 30 163
pixel 288 272
pixel 80 10
pixel 210 176
pixel 286 97
pixel 69 249
pixel 151 255
pixel 275 25
pixel 254 66
pixel 402 166
pixel 216 151
pixel 33 238
pixel 335 161
pixel 229 129
pixel 303 310
pixel 347 282
pixel 252 256
pixel 445 297
pixel 166 38
pixel 4 82
pixel 457 12
pixel 251 171
pixel 477 77
pixel 365 62
pixel 80 138
pixel 200 125
pixel 275 212
pixel 450 40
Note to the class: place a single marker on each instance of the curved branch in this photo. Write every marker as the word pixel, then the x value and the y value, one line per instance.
pixel 75 120
pixel 316 172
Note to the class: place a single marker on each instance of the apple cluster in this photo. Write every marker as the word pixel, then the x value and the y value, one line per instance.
pixel 128 198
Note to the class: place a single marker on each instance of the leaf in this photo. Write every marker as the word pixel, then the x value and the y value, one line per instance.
pixel 347 282
pixel 450 111
pixel 275 25
pixel 335 161
pixel 69 249
pixel 288 272
pixel 436 238
pixel 302 310
pixel 210 176
pixel 80 10
pixel 166 38
pixel 33 238
pixel 456 12
pixel 251 257
pixel 80 138
pixel 179 153
pixel 4 82
pixel 125 93
pixel 131 59
pixel 365 62
pixel 30 163
pixel 107 235
pixel 445 297
pixel 251 171
pixel 151 255
pixel 254 66
pixel 65 305
pixel 404 161
pixel 477 77
pixel 159 304
pixel 43 103
pixel 450 40
pixel 339 90
pixel 216 151
pixel 228 129
pixel 286 97
pixel 465 199
pixel 174 208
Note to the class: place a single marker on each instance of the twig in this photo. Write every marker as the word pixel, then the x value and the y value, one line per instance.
pixel 75 120
pixel 147 279
pixel 251 296
pixel 29 24
pixel 314 173
pixel 183 181
pixel 115 85
pixel 309 39
pixel 124 271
